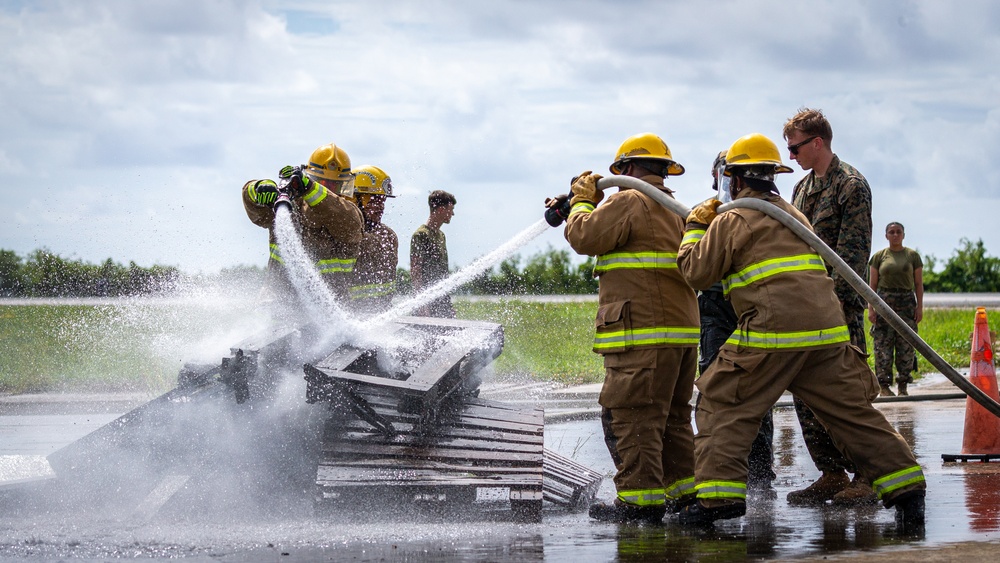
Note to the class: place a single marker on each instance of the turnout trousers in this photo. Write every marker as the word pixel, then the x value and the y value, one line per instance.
pixel 718 322
pixel 822 450
pixel 838 387
pixel 646 417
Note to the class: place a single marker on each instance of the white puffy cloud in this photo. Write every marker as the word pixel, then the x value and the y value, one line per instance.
pixel 129 127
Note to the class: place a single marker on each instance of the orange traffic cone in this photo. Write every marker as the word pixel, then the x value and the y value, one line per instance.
pixel 982 428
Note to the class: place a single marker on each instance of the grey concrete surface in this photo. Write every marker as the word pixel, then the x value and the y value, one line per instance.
pixel 39 521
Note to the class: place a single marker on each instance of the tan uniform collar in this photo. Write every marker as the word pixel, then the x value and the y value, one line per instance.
pixel 656 181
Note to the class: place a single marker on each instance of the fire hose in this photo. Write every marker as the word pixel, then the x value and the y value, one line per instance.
pixel 831 257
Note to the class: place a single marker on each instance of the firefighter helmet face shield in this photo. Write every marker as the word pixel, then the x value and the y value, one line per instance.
pixel 343 186
pixel 722 182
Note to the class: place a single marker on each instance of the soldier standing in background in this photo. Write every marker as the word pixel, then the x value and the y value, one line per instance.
pixel 897 275
pixel 429 253
pixel 837 201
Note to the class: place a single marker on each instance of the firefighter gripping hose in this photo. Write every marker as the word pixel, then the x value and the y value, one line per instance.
pixel 828 254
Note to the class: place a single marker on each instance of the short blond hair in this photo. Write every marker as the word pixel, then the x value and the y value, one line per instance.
pixel 810 122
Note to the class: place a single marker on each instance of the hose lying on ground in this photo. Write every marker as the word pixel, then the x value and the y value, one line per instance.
pixel 831 257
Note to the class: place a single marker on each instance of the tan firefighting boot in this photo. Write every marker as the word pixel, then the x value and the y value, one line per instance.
pixel 902 389
pixel 859 492
pixel 886 392
pixel 828 485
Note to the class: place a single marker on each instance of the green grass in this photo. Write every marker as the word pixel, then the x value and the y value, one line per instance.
pixel 142 346
pixel 553 340
pixel 549 341
pixel 136 346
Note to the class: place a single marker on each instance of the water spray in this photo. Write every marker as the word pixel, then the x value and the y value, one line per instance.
pixel 831 257
pixel 324 309
pixel 465 275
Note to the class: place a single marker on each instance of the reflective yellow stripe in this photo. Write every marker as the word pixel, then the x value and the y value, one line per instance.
pixel 722 489
pixel 801 339
pixel 773 267
pixel 641 260
pixel 315 195
pixel 643 497
pixel 692 236
pixel 276 254
pixel 581 207
pixel 647 337
pixel 680 488
pixel 372 290
pixel 336 265
pixel 897 480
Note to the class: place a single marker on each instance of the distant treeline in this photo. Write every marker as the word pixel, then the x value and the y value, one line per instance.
pixel 552 272
pixel 44 274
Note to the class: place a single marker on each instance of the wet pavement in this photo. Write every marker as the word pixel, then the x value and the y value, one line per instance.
pixel 39 522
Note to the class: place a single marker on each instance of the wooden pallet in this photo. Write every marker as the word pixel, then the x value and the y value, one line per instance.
pixel 569 484
pixel 438 370
pixel 482 459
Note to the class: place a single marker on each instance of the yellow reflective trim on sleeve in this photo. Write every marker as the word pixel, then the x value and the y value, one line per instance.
pixel 276 254
pixel 317 194
pixel 692 236
pixel 581 207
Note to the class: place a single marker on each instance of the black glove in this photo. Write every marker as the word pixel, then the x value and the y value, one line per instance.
pixel 294 181
pixel 264 192
pixel 557 209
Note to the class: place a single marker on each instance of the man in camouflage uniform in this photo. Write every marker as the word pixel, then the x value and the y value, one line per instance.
pixel 837 200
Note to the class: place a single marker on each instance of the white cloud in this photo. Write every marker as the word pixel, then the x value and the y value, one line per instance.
pixel 130 127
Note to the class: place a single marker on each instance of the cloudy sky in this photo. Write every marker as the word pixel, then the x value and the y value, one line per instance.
pixel 128 127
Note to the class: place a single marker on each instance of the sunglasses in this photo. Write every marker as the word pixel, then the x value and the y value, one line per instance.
pixel 794 149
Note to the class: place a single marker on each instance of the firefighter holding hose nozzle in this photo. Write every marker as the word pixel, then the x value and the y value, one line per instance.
pixel 646 329
pixel 782 342
pixel 319 196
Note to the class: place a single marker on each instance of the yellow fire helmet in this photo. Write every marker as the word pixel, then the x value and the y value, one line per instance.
pixel 757 151
pixel 329 165
pixel 370 180
pixel 645 146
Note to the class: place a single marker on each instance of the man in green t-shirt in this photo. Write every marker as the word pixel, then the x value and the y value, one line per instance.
pixel 429 253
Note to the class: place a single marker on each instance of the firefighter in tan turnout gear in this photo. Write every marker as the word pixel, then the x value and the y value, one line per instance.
pixel 647 330
pixel 374 279
pixel 791 336
pixel 323 212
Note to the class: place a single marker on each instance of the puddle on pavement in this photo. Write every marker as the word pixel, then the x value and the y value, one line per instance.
pixel 963 504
